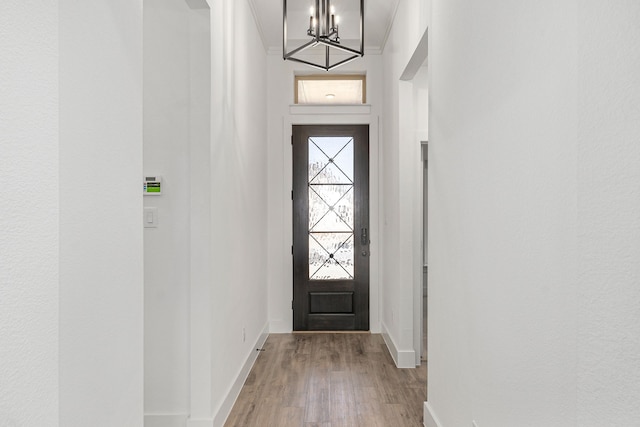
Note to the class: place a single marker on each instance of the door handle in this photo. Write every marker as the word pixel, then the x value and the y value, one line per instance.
pixel 364 237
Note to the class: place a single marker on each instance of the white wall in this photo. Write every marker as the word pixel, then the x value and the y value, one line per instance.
pixel 29 203
pixel 167 129
pixel 239 221
pixel 71 245
pixel 608 225
pixel 201 206
pixel 233 308
pixel 401 172
pixel 205 133
pixel 280 119
pixel 71 249
pixel 239 190
pixel 101 265
pixel 533 214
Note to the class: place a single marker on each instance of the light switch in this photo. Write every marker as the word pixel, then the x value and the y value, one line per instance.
pixel 150 217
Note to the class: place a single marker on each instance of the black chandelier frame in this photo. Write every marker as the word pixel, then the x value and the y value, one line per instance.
pixel 323 31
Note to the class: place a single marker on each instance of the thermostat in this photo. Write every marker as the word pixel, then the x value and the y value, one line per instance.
pixel 152 185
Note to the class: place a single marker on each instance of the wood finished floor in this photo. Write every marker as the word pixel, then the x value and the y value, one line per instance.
pixel 329 380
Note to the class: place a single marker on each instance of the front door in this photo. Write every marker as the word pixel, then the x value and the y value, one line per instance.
pixel 330 227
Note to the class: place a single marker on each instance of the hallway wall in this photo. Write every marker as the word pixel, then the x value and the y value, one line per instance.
pixel 401 174
pixel 70 237
pixel 167 248
pixel 205 133
pixel 534 214
pixel 238 198
pixel 101 265
pixel 608 226
pixel 70 205
pixel 29 230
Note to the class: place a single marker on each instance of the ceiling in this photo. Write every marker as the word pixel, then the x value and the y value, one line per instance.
pixel 378 16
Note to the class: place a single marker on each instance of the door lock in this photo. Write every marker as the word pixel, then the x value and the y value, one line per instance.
pixel 364 237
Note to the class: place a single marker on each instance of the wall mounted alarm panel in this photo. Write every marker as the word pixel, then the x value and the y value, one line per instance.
pixel 152 185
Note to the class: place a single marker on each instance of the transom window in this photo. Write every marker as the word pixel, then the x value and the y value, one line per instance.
pixel 330 89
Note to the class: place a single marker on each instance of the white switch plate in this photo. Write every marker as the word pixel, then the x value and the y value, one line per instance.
pixel 150 218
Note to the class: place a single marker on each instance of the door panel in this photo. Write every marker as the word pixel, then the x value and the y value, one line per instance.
pixel 330 227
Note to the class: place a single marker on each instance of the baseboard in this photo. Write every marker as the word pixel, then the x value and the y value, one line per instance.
pixel 402 358
pixel 165 420
pixel 430 418
pixel 226 407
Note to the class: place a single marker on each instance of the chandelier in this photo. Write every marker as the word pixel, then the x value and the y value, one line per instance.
pixel 323 31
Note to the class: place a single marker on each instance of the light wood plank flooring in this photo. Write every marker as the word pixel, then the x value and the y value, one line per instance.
pixel 329 380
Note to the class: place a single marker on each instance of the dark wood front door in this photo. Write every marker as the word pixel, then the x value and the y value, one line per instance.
pixel 330 227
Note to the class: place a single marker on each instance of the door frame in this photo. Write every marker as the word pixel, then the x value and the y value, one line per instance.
pixel 334 115
pixel 304 287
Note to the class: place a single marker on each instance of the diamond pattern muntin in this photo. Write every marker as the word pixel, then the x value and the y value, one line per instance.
pixel 331 222
pixel 344 160
pixel 330 162
pixel 330 256
pixel 331 208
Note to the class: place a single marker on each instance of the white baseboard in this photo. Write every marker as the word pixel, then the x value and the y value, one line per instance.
pixel 430 418
pixel 402 358
pixel 165 420
pixel 226 407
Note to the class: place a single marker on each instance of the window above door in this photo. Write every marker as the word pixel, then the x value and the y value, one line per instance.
pixel 331 89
